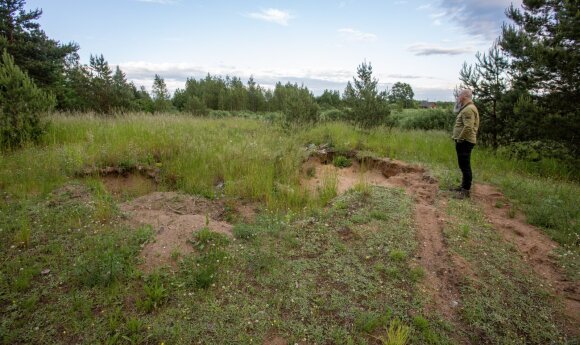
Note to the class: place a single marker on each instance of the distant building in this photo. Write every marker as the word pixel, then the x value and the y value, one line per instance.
pixel 428 105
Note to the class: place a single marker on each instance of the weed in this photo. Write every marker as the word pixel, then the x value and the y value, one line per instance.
pixel 329 188
pixel 420 323
pixel 397 334
pixel 311 172
pixel 155 294
pixel 204 276
pixel 512 211
pixel 465 229
pixel 205 238
pixel 261 262
pixel 341 161
pixel 175 254
pixel 499 204
pixel 360 218
pixel 363 187
pixel 397 255
pixel 379 215
pixel 102 263
pixel 417 273
pixel 22 236
pixel 81 304
pixel 23 280
pixel 245 232
pixel 368 322
pixel 393 272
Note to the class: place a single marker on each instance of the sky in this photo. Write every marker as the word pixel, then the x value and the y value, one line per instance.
pixel 318 43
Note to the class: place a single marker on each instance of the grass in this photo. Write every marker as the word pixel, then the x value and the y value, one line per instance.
pixel 321 268
pixel 285 275
pixel 503 301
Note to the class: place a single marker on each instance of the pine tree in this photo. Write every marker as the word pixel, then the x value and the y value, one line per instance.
pixel 367 106
pixel 489 81
pixel 544 54
pixel 101 84
pixel 161 98
pixel 22 104
pixel 43 59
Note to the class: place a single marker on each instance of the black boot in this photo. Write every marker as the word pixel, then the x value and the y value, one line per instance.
pixel 463 194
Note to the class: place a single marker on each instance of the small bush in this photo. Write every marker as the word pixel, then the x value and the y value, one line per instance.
pixel 341 162
pixel 22 104
pixel 535 151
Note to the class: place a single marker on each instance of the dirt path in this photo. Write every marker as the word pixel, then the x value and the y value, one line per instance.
pixel 535 247
pixel 443 271
pixel 441 274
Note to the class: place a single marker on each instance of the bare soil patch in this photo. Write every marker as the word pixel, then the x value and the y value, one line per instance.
pixel 535 247
pixel 174 218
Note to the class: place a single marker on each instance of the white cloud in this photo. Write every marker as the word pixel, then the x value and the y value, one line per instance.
pixel 272 15
pixel 423 49
pixel 356 35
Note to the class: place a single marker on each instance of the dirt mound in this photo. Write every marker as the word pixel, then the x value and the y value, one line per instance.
pixel 174 218
pixel 535 247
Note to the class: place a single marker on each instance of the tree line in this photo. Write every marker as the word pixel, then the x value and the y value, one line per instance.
pixel 39 74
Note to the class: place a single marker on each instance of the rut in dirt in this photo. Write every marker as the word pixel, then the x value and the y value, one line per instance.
pixel 536 248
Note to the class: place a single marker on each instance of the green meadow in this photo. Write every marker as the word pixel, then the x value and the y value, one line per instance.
pixel 71 270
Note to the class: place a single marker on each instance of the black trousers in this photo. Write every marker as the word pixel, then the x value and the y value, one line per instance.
pixel 463 150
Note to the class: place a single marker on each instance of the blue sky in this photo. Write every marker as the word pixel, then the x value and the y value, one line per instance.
pixel 318 43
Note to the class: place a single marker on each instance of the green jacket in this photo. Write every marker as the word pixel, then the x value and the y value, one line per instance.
pixel 467 123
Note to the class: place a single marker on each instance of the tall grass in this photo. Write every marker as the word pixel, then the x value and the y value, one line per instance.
pixel 258 161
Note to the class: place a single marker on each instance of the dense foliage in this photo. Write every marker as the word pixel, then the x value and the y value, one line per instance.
pixel 42 58
pixel 402 94
pixel 527 86
pixel 21 105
